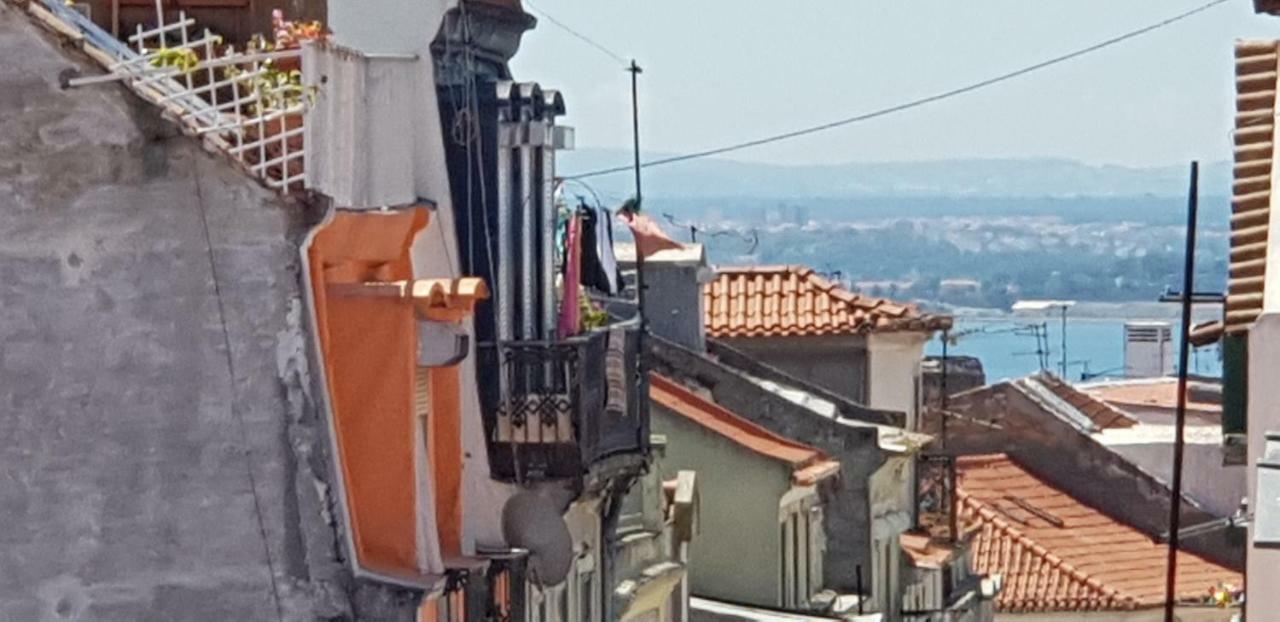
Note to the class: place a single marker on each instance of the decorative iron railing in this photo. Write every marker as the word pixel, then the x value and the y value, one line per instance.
pixel 554 408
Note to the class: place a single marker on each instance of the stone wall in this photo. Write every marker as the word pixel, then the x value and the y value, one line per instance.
pixel 162 458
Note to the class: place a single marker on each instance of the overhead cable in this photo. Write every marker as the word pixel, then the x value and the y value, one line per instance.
pixel 584 38
pixel 915 103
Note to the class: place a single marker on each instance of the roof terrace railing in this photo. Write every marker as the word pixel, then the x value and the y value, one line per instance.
pixel 227 96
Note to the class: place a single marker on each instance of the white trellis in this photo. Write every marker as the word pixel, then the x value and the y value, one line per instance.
pixel 258 122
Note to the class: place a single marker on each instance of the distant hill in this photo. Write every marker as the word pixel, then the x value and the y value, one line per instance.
pixel 985 178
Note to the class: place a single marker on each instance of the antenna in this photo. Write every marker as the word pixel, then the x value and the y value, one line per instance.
pixel 534 523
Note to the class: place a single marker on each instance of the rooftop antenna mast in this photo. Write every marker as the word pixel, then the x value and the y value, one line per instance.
pixel 1188 292
pixel 635 70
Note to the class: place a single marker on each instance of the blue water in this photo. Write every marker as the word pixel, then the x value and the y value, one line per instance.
pixel 1093 346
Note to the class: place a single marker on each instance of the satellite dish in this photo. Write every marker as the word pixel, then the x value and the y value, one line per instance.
pixel 534 523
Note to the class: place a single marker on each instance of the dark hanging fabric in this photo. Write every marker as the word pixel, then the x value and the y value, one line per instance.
pixel 597 252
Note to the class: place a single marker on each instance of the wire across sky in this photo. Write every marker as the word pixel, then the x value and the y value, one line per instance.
pixel 874 114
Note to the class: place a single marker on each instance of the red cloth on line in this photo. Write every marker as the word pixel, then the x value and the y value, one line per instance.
pixel 650 238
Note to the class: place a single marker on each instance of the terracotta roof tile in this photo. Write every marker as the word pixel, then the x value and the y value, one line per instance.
pixel 779 301
pixel 1102 414
pixel 924 550
pixel 808 465
pixel 1253 182
pixel 1058 554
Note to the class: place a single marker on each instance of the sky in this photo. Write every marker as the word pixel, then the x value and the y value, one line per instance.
pixel 721 71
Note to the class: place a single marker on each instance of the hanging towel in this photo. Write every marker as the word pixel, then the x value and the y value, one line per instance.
pixel 570 311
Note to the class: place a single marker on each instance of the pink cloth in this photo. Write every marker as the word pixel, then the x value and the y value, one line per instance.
pixel 570 305
pixel 650 238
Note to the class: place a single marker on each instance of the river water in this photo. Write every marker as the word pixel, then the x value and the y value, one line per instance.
pixel 1094 347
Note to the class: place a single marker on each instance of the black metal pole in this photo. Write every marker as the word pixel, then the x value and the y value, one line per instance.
pixel 1064 342
pixel 953 497
pixel 942 401
pixel 635 143
pixel 1175 505
pixel 857 573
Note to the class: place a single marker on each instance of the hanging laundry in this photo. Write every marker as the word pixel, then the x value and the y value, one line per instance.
pixel 604 242
pixel 615 373
pixel 570 309
pixel 650 238
pixel 599 266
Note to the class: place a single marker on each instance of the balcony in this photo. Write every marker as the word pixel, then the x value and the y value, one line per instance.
pixel 552 409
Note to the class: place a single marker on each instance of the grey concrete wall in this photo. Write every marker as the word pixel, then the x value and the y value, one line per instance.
pixel 673 303
pixel 835 363
pixel 151 472
pixel 754 367
pixel 736 555
pixel 1079 465
pixel 846 503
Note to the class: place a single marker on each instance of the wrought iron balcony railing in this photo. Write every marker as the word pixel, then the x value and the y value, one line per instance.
pixel 554 408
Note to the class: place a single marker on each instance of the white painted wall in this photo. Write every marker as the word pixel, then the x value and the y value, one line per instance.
pixel 894 372
pixel 373 136
pixel 1263 564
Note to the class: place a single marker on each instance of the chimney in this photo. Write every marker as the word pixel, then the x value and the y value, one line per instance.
pixel 673 296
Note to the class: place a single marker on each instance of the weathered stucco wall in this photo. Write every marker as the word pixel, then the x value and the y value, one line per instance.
pixel 835 363
pixel 847 518
pixel 736 555
pixel 160 453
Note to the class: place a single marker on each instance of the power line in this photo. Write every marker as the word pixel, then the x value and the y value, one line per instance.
pixel 915 103
pixel 584 38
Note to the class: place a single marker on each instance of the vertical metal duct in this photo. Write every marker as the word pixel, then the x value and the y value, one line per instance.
pixel 529 96
pixel 506 139
pixel 548 156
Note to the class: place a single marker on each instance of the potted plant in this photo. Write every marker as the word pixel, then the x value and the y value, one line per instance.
pixel 280 89
pixel 289 35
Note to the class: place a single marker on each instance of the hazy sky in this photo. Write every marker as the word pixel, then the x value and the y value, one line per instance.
pixel 719 71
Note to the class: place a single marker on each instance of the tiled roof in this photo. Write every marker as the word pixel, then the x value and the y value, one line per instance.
pixel 780 301
pixel 1058 554
pixel 1153 393
pixel 1254 181
pixel 808 465
pixel 925 551
pixel 1099 412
